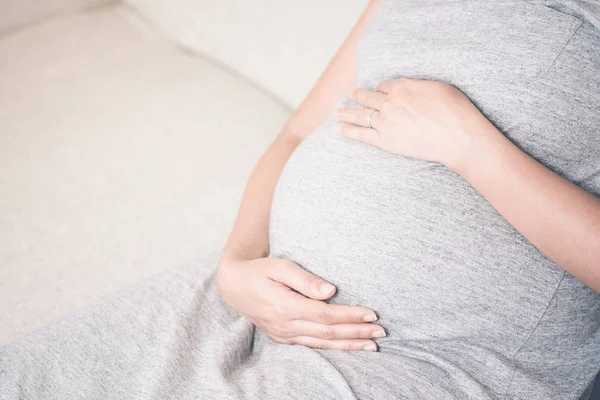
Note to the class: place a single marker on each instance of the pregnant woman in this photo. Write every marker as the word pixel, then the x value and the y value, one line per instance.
pixel 425 226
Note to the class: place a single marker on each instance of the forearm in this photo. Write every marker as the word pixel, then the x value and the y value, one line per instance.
pixel 249 237
pixel 559 218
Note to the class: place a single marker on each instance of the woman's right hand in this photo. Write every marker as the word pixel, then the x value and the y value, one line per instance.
pixel 261 290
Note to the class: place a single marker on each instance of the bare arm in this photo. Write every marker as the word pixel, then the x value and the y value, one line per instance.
pixel 260 287
pixel 555 215
pixel 249 238
pixel 434 121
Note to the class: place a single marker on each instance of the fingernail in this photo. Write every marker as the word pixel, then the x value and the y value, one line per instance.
pixel 378 333
pixel 326 288
pixel 370 317
pixel 370 347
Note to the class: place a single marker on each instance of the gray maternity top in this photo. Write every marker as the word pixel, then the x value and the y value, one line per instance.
pixel 472 309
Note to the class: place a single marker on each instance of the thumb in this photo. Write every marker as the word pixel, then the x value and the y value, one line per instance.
pixel 299 279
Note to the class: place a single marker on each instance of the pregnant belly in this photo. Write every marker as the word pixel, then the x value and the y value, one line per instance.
pixel 410 239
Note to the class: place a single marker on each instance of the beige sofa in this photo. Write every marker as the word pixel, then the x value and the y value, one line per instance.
pixel 128 129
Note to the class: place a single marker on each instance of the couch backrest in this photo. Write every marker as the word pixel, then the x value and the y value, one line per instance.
pixel 283 46
pixel 17 13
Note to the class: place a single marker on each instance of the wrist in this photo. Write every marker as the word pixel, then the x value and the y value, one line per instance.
pixel 481 140
pixel 234 252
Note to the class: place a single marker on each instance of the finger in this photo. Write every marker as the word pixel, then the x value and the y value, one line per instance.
pixel 337 331
pixel 353 345
pixel 324 313
pixel 279 339
pixel 385 86
pixel 365 135
pixel 358 116
pixel 299 279
pixel 368 98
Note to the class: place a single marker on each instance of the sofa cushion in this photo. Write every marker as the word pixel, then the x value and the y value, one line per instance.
pixel 282 45
pixel 120 156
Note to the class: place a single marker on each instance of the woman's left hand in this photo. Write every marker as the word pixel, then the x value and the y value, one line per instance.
pixel 427 120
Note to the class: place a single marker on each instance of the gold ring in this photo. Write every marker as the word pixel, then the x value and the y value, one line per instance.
pixel 369 118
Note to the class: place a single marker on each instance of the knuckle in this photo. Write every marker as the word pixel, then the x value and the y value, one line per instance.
pixel 327 316
pixel 395 93
pixel 277 331
pixel 387 105
pixel 382 118
pixel 311 281
pixel 271 267
pixel 280 311
pixel 287 331
pixel 319 345
pixel 328 332
pixel 364 333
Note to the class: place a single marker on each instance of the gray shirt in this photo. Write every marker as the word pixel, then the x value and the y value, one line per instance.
pixel 471 307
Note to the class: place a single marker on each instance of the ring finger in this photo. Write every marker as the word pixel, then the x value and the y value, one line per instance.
pixel 359 116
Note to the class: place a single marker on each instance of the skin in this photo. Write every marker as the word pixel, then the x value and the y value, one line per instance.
pixel 260 288
pixel 425 120
pixel 434 121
